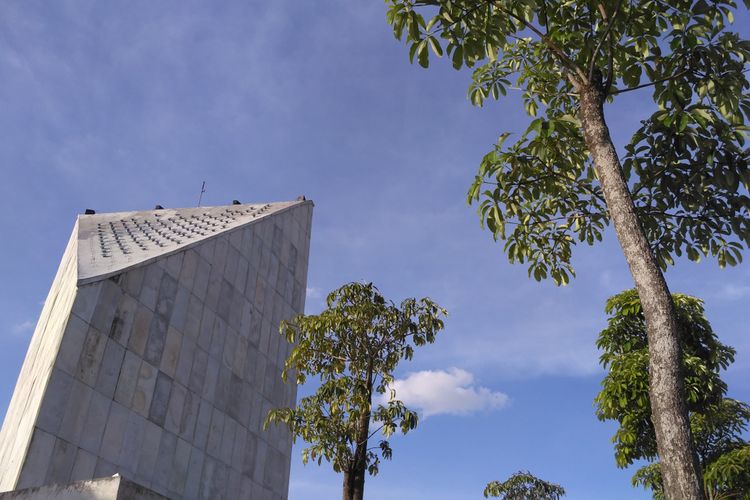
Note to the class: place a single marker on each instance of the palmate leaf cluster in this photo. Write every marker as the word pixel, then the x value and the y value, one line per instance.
pixel 352 347
pixel 624 396
pixel 687 164
pixel 729 475
pixel 725 477
pixel 524 486
pixel 717 422
pixel 328 421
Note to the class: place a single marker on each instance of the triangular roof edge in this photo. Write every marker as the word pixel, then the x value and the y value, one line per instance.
pixel 94 272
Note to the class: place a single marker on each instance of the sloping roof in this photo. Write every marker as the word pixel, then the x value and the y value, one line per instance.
pixel 109 243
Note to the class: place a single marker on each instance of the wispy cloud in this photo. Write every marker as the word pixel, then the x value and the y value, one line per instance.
pixel 452 392
pixel 731 291
pixel 23 328
pixel 554 335
pixel 614 280
pixel 314 299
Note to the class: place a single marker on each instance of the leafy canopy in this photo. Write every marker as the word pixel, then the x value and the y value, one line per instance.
pixel 353 346
pixel 726 466
pixel 717 423
pixel 524 486
pixel 687 164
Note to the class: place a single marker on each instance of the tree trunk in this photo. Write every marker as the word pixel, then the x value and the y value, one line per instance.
pixel 347 485
pixel 679 465
pixel 354 479
pixel 360 454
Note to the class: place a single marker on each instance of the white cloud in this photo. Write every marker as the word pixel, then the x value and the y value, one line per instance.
pixel 452 392
pixel 730 291
pixel 23 328
pixel 315 300
pixel 557 349
pixel 545 338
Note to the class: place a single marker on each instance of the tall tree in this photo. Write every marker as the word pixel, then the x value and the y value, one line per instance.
pixel 524 486
pixel 682 187
pixel 353 346
pixel 717 422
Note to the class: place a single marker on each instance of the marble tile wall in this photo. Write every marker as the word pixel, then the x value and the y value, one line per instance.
pixel 22 412
pixel 165 372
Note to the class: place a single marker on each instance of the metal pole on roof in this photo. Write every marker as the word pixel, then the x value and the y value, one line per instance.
pixel 203 190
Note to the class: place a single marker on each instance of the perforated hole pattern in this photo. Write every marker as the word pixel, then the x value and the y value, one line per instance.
pixel 133 235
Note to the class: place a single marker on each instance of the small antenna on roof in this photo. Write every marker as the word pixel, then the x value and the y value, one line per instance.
pixel 203 190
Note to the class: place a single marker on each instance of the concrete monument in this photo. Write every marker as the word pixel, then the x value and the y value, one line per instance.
pixel 157 356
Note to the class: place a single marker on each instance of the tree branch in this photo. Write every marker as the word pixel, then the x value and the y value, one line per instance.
pixel 605 35
pixel 330 355
pixel 540 222
pixel 460 19
pixel 610 68
pixel 548 174
pixel 544 37
pixel 649 84
pixel 561 55
pixel 374 432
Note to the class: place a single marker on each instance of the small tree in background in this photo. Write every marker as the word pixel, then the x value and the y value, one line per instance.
pixel 353 347
pixel 524 486
pixel 717 422
pixel 724 455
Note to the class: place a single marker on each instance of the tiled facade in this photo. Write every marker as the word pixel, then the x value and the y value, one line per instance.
pixel 164 371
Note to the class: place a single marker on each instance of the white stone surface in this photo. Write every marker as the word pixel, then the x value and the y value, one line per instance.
pixel 27 400
pixel 158 362
pixel 111 242
pixel 106 488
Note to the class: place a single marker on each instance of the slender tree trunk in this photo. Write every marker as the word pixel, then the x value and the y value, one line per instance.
pixel 347 485
pixel 679 465
pixel 360 457
pixel 354 478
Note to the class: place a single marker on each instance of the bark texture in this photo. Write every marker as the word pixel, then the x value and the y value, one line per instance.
pixel 679 465
pixel 354 478
pixel 347 486
pixel 360 457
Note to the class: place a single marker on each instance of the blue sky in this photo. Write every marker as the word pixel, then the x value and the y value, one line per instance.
pixel 120 106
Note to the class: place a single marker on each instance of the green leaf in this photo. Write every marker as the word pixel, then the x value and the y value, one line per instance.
pixel 423 54
pixel 435 45
pixel 358 338
pixel 458 57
